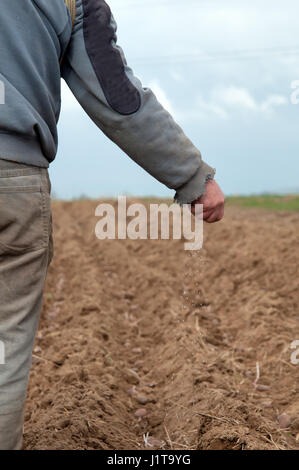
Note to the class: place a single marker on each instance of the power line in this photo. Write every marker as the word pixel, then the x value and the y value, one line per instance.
pixel 169 3
pixel 219 56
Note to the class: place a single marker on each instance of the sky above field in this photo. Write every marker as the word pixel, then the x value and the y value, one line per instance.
pixel 224 70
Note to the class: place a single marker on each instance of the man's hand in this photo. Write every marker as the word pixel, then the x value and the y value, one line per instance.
pixel 213 203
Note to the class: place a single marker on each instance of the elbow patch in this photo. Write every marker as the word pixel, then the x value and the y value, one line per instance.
pixel 106 60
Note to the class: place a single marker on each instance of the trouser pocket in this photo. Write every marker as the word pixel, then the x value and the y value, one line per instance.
pixel 24 211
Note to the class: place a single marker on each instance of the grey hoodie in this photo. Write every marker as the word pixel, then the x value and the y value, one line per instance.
pixel 35 36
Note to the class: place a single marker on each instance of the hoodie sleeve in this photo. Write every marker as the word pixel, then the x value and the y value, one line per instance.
pixel 96 71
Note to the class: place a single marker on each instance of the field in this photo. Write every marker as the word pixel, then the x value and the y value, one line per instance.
pixel 143 345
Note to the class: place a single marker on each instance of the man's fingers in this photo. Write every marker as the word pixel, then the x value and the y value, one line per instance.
pixel 211 215
pixel 214 215
pixel 211 219
pixel 221 215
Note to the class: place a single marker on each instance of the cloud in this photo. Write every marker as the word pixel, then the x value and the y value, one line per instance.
pixel 235 97
pixel 176 76
pixel 226 103
pixel 209 109
pixel 162 98
pixel 222 103
pixel 273 101
pixel 241 98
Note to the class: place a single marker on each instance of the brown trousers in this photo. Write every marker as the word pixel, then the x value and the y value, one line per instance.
pixel 26 250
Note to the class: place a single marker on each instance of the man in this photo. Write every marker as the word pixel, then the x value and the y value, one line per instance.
pixel 38 45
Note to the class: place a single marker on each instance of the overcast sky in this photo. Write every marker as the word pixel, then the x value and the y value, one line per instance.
pixel 224 70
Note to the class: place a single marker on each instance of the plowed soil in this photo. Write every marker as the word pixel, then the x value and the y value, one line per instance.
pixel 143 345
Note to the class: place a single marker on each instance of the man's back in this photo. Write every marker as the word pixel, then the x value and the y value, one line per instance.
pixel 33 37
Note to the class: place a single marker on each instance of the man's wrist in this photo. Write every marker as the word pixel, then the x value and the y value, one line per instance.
pixel 196 186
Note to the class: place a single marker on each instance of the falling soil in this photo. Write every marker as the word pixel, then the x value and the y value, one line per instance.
pixel 143 345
